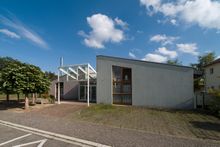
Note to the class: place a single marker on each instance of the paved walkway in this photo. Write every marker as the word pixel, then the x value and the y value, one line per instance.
pixel 98 133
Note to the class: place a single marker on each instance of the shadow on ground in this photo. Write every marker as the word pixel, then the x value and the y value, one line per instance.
pixel 210 126
pixel 5 105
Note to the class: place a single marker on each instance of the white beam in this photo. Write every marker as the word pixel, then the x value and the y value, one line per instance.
pixel 75 72
pixel 92 68
pixel 58 88
pixel 77 76
pixel 88 86
pixel 67 77
pixel 80 68
pixel 62 70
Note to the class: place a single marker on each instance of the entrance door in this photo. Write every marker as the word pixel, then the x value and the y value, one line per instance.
pixel 122 86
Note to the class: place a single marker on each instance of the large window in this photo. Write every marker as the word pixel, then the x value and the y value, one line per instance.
pixel 122 86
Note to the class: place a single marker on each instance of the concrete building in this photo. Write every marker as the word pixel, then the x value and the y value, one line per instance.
pixel 141 83
pixel 127 82
pixel 212 75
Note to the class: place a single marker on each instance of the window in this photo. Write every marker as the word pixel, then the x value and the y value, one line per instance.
pixel 122 87
pixel 211 70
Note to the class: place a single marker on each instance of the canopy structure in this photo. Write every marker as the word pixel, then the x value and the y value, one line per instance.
pixel 80 72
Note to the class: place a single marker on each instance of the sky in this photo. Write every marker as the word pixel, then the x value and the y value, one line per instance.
pixel 39 32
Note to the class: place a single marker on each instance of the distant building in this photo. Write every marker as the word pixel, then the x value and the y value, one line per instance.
pixel 212 75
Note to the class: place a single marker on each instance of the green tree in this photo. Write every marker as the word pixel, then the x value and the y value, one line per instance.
pixel 199 67
pixel 174 62
pixel 34 81
pixel 52 76
pixel 204 60
pixel 17 77
pixel 10 79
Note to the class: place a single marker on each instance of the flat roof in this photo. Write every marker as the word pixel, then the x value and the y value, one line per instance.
pixel 142 61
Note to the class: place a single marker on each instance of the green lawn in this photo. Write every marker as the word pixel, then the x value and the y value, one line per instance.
pixel 169 122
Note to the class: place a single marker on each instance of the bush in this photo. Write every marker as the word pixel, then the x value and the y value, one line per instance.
pixel 45 95
pixel 52 99
pixel 215 103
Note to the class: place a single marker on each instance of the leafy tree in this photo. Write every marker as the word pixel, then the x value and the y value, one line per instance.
pixel 4 61
pixel 174 62
pixel 52 76
pixel 34 81
pixel 10 79
pixel 17 77
pixel 204 60
pixel 199 67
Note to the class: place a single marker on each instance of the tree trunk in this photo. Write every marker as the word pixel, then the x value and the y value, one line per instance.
pixel 7 97
pixel 26 101
pixel 33 98
pixel 18 96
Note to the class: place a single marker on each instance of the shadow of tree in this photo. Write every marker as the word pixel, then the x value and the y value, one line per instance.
pixel 210 126
pixel 5 105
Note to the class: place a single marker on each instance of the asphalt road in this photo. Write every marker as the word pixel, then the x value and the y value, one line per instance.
pixel 107 135
pixel 10 137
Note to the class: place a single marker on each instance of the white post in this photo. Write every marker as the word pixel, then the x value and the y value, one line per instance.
pixel 88 85
pixel 67 77
pixel 77 76
pixel 55 91
pixel 58 88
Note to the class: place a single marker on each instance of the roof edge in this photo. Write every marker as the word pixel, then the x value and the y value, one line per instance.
pixel 166 64
pixel 213 62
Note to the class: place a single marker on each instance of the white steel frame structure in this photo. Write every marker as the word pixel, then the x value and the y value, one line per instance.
pixel 80 72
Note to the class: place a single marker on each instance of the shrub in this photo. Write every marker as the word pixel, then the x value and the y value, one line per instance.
pixel 215 103
pixel 45 95
pixel 52 99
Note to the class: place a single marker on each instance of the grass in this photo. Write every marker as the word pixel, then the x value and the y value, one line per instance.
pixel 168 122
pixel 11 97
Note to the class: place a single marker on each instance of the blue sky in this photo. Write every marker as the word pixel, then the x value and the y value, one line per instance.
pixel 40 32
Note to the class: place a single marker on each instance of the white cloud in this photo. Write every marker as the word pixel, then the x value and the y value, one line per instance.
pixel 23 31
pixel 155 58
pixel 103 30
pixel 205 13
pixel 163 39
pixel 9 33
pixel 173 21
pixel 121 23
pixel 166 52
pixel 132 55
pixel 190 48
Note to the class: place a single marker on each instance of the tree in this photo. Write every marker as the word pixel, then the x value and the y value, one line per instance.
pixel 50 75
pixel 174 62
pixel 199 67
pixel 204 60
pixel 34 81
pixel 17 77
pixel 10 79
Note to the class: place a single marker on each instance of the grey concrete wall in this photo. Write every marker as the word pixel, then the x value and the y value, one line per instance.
pixel 153 84
pixel 70 88
pixel 212 80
